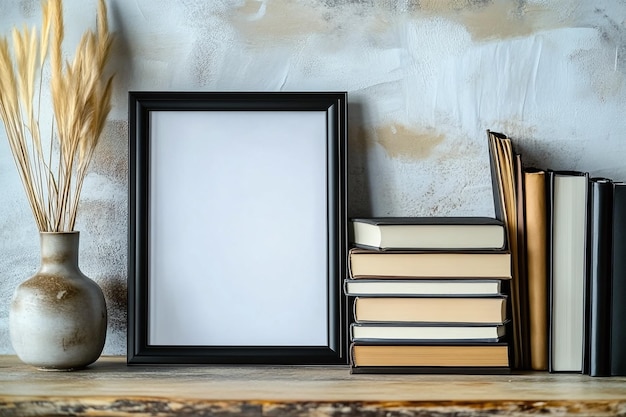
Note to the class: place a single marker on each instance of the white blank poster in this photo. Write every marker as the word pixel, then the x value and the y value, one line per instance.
pixel 238 228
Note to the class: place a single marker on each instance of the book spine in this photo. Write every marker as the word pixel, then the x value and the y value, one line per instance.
pixel 501 158
pixel 549 257
pixel 618 283
pixel 537 265
pixel 600 246
pixel 496 182
pixel 522 272
pixel 569 280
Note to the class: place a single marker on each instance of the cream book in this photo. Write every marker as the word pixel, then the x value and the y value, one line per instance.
pixel 449 233
pixel 355 287
pixel 412 332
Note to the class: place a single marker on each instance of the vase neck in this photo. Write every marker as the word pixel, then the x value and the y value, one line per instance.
pixel 59 250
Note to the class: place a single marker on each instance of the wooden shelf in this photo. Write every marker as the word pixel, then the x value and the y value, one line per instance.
pixel 110 387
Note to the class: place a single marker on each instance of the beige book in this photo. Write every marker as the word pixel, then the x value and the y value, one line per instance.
pixel 495 355
pixel 372 263
pixel 441 310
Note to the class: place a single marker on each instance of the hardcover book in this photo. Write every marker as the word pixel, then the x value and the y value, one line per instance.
pixel 430 310
pixel 414 332
pixel 364 263
pixel 447 233
pixel 521 273
pixel 536 234
pixel 490 355
pixel 607 286
pixel 504 164
pixel 441 287
pixel 600 273
pixel 618 283
pixel 568 274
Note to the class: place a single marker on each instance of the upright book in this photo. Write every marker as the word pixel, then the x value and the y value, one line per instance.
pixel 607 278
pixel 600 273
pixel 446 233
pixel 568 273
pixel 521 273
pixel 536 211
pixel 618 282
pixel 504 164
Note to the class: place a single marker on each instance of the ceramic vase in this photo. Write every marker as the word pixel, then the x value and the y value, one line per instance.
pixel 58 317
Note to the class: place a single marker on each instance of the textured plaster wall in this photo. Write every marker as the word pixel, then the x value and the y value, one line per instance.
pixel 425 79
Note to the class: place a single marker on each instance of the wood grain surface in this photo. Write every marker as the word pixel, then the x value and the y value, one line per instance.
pixel 111 388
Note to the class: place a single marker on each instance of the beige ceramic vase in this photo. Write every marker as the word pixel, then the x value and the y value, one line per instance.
pixel 58 317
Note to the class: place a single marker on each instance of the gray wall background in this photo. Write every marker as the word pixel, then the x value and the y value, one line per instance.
pixel 425 80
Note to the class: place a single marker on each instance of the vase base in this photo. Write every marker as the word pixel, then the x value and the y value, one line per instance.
pixel 53 369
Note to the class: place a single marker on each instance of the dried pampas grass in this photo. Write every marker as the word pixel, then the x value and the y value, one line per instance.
pixel 53 173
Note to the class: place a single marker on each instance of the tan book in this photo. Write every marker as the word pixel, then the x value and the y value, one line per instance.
pixel 430 310
pixel 537 265
pixel 487 355
pixel 371 263
pixel 503 162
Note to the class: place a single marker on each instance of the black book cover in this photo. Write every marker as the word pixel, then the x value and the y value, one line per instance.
pixel 430 220
pixel 495 174
pixel 600 246
pixel 618 305
pixel 550 250
pixel 522 273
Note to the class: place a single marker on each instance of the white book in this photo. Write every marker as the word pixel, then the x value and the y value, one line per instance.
pixel 357 287
pixel 387 332
pixel 568 274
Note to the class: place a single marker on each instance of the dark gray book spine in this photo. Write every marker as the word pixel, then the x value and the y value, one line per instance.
pixel 618 304
pixel 600 247
pixel 549 257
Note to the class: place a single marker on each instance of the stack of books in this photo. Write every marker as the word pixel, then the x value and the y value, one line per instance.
pixel 429 294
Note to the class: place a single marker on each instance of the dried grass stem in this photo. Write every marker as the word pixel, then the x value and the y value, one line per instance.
pixel 53 175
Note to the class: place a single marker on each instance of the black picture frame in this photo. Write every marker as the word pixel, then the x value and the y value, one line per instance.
pixel 157 130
